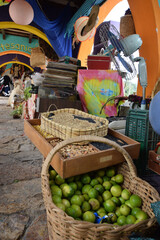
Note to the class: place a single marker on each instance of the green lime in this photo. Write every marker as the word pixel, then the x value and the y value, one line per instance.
pixel 89 216
pixel 141 215
pixel 107 185
pixel 79 185
pixel 122 200
pixel 109 205
pixel 51 182
pixel 62 185
pixel 93 193
pixel 99 188
pixel 71 212
pixel 94 182
pixel 75 199
pixel 130 219
pixel 86 197
pixel 110 172
pixel 85 206
pixel 77 210
pixel 112 217
pixel 82 198
pixel 73 185
pixel 52 174
pixel 113 182
pixel 128 203
pixel 116 201
pixel 106 195
pixel 67 191
pixel 125 194
pixel 105 178
pixel 85 179
pixel 100 180
pixel 117 212
pixel 124 210
pixel 86 188
pixel 59 180
pixel 119 178
pixel 100 210
pixel 101 173
pixel 61 206
pixel 56 199
pixel 94 204
pixel 102 214
pixel 100 199
pixel 135 201
pixel 121 220
pixel 116 190
pixel 66 203
pixel 55 190
pixel 134 211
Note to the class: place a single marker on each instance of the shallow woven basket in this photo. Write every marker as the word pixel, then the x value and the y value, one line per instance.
pixel 61 226
pixel 65 132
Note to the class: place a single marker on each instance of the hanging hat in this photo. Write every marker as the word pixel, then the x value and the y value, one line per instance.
pixel 92 19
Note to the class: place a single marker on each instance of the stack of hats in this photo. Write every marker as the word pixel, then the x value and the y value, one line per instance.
pixel 60 74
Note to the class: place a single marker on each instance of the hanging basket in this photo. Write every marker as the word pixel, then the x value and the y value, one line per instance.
pixel 61 226
pixel 37 58
pixel 127 26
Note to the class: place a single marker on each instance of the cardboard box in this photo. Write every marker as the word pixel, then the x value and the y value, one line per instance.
pixel 84 163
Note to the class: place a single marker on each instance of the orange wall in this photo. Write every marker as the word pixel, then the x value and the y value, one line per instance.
pixel 146 15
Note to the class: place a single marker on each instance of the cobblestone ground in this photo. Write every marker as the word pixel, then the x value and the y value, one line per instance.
pixel 22 211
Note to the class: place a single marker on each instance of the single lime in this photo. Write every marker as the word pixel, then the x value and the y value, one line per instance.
pixel 116 190
pixel 107 185
pixel 109 205
pixel 75 199
pixel 99 188
pixel 110 172
pixel 93 193
pixel 85 179
pixel 106 195
pixel 55 190
pixel 85 206
pixel 89 216
pixel 77 210
pixel 59 180
pixel 125 194
pixel 121 220
pixel 125 210
pixel 135 201
pixel 94 204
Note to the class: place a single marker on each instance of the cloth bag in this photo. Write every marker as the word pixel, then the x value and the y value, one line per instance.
pixel 37 57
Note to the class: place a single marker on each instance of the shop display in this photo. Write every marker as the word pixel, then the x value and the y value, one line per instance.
pixel 75 227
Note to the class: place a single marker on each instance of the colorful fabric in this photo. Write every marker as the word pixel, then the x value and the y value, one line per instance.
pixel 29 107
pixel 5 2
pixel 95 87
pixel 55 29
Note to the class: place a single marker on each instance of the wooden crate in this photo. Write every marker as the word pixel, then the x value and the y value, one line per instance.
pixel 153 162
pixel 84 163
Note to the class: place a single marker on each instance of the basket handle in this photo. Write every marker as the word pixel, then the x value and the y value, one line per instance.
pixel 51 106
pixel 46 163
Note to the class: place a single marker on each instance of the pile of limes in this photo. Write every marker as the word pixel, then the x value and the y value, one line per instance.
pixel 100 191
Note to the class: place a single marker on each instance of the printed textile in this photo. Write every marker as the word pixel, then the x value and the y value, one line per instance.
pixel 95 87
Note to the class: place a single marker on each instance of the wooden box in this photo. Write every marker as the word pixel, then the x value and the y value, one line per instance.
pixel 84 163
pixel 154 162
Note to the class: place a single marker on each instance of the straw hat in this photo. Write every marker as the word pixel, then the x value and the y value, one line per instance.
pixel 92 19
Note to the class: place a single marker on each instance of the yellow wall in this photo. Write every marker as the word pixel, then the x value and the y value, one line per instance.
pixel 146 15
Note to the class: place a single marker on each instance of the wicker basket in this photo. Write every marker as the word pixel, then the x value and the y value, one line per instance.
pixel 64 132
pixel 61 226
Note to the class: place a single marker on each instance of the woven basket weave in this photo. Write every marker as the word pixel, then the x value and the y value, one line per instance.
pixel 64 132
pixel 127 26
pixel 61 226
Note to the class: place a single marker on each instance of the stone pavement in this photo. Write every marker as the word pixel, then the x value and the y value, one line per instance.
pixel 22 211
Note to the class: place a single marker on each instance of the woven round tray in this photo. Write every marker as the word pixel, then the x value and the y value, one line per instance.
pixel 61 226
pixel 72 123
